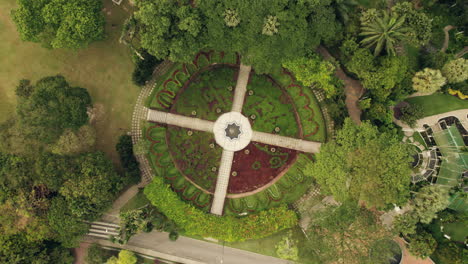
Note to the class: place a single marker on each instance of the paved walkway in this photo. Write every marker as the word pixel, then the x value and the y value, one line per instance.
pixel 187 250
pixel 180 121
pixel 353 88
pixel 433 120
pixel 222 182
pixel 241 88
pixel 113 214
pixel 286 142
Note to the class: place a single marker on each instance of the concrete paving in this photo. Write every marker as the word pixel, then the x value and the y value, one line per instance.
pixel 180 121
pixel 241 88
pixel 286 142
pixel 222 182
pixel 188 250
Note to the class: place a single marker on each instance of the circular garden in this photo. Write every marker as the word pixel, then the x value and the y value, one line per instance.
pixel 262 176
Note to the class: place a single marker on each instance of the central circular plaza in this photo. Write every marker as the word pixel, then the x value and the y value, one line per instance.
pixel 232 131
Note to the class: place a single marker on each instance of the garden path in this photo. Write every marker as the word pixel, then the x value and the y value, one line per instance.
pixel 461 114
pixel 353 88
pixel 227 157
pixel 241 88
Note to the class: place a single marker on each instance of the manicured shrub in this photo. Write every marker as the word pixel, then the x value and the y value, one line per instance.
pixel 144 68
pixel 227 228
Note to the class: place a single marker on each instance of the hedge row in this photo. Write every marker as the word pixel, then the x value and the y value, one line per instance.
pixel 226 228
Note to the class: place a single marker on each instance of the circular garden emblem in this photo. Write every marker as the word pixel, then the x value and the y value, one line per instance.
pixel 266 161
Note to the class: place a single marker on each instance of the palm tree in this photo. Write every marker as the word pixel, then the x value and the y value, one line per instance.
pixel 384 31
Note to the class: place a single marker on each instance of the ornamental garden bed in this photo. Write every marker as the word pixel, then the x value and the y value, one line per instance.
pixel 262 176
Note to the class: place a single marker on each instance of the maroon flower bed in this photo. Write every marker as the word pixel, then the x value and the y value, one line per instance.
pixel 259 167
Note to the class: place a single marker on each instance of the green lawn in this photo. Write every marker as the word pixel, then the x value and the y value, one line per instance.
pixel 136 202
pixel 438 103
pixel 104 68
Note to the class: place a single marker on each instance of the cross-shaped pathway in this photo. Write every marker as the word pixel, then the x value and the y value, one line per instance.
pixel 233 133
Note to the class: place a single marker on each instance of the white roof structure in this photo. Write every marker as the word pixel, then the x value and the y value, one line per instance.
pixel 232 131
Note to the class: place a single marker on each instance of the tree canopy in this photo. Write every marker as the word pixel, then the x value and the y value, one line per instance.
pixel 60 23
pixel 363 164
pixel 265 33
pixel 52 107
pixel 345 234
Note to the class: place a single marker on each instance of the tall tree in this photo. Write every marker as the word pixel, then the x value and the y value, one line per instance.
pixel 428 81
pixel 385 32
pixel 363 164
pixel 265 33
pixel 429 201
pixel 60 23
pixel 52 107
pixel 456 70
pixel 344 234
pixel 313 71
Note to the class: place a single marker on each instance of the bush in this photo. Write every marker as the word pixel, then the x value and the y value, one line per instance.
pixel 411 113
pixel 227 228
pixel 173 235
pixel 96 255
pixel 144 68
pixel 125 149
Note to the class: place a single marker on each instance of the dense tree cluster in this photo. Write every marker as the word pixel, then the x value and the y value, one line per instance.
pixel 265 33
pixel 60 23
pixel 47 192
pixel 346 234
pixel 363 164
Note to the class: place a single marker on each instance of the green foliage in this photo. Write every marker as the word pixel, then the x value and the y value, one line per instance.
pixel 363 164
pixel 449 253
pixel 418 23
pixel 345 232
pixel 421 244
pixel 313 70
pixel 381 76
pixel 142 147
pixel 456 70
pixel 231 17
pixel 270 27
pixel 24 88
pixel 144 68
pixel 125 257
pixel 220 25
pixel 405 224
pixel 125 149
pixel 287 248
pixel 428 81
pixel 385 30
pixel 96 255
pixel 52 107
pixel 142 220
pixel 60 23
pixel 73 143
pixel 435 60
pixel 173 235
pixel 67 227
pixel 91 186
pixel 170 30
pixel 411 113
pixel 430 200
pixel 18 250
pixel 227 228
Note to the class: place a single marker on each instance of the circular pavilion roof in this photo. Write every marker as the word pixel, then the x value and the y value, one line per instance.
pixel 232 131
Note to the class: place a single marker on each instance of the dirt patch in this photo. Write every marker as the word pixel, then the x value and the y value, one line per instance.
pixel 96 113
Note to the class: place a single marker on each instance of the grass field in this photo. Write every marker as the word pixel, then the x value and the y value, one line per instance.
pixel 438 103
pixel 104 68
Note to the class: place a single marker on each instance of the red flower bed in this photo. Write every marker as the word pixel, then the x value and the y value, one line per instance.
pixel 249 178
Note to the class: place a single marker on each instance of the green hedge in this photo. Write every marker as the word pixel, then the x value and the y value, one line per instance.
pixel 226 228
